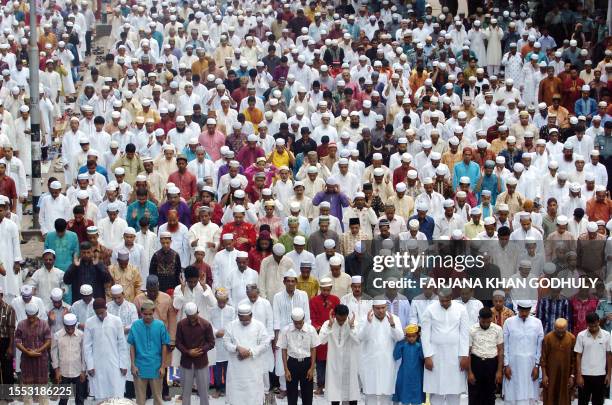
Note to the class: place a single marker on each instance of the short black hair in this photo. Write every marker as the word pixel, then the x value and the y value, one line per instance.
pixel 130 148
pixel 341 310
pixel 503 231
pixel 485 313
pixel 78 209
pixel 99 120
pixel 60 225
pixel 144 221
pixel 85 245
pixel 191 272
pixel 592 317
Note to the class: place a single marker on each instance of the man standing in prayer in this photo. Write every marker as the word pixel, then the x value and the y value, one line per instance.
pixel 523 335
pixel 284 302
pixel 320 308
pixel 445 338
pixel 106 353
pixel 194 339
pixel 7 337
pixel 245 340
pixel 486 359
pixel 148 340
pixel 126 311
pixel 558 365
pixel 298 343
pixel 378 335
pixel 33 338
pixel 10 253
pixel 342 371
pixel 592 362
pixel 67 359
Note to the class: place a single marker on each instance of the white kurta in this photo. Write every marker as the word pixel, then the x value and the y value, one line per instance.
pixel 105 351
pixel 244 383
pixel 377 368
pixel 205 234
pixel 342 366
pixel 10 252
pixel 522 350
pixel 262 311
pixel 445 338
pixel 220 318
pixel 237 282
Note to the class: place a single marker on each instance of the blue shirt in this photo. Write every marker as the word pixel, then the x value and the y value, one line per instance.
pixel 99 169
pixel 148 341
pixel 585 107
pixel 65 248
pixel 140 212
pixel 426 225
pixel 461 169
pixel 490 183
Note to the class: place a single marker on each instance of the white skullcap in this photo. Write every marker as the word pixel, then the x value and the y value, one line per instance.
pixel 329 244
pixel 31 308
pixel 245 309
pixel 116 289
pixel 191 308
pixel 57 294
pixel 86 289
pixel 297 314
pixel 278 249
pixel 592 226
pixel 70 319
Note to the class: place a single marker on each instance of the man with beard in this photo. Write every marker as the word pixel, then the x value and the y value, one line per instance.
pixel 84 271
pixel 558 365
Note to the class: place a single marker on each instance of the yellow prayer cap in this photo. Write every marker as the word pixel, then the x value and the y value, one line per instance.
pixel 411 329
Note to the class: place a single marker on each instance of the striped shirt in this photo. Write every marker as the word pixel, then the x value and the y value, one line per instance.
pixel 7 320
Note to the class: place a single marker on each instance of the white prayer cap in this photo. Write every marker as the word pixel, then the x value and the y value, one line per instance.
pixel 457 234
pixel 278 249
pixel 379 302
pixel 242 254
pixel 326 282
pixel 55 185
pixel 592 226
pixel 56 294
pixel 574 187
pixel 518 167
pixel 48 251
pixel 549 268
pixel 191 308
pixel 228 236
pixel 26 290
pixel 116 289
pixel 562 220
pixel 503 207
pixel 475 211
pixel 166 235
pixel 31 308
pixel 413 224
pixel 412 174
pixel 329 244
pixel 335 261
pixel 245 309
pixel 448 203
pixel 400 187
pixel 511 181
pixel 422 206
pixel 299 240
pixel 290 274
pixel 70 319
pixel 297 314
pixel 526 264
pixel 238 209
pixel 525 304
pixel 499 293
pixel 86 289
pixel 356 280
pixel 489 221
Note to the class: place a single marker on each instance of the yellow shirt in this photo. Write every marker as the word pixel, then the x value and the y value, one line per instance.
pixel 310 285
pixel 279 159
pixel 129 279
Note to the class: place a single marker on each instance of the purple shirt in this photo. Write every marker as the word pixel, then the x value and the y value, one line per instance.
pixel 183 210
pixel 336 201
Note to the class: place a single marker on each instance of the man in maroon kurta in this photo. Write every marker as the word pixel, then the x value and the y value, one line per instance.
pixel 320 307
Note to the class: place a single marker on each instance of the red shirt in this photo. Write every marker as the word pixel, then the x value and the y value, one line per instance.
pixel 255 258
pixel 7 187
pixel 319 313
pixel 243 230
pixel 580 309
pixel 186 182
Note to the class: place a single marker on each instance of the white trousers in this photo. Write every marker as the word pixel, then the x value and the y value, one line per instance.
pixel 378 400
pixel 449 399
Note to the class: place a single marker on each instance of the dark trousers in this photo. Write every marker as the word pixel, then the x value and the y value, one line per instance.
pixel 338 402
pixel 299 370
pixel 88 42
pixel 80 390
pixel 594 390
pixel 7 375
pixel 219 372
pixel 130 392
pixel 320 365
pixel 483 391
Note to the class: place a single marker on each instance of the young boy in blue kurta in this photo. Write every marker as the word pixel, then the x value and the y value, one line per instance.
pixel 409 382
